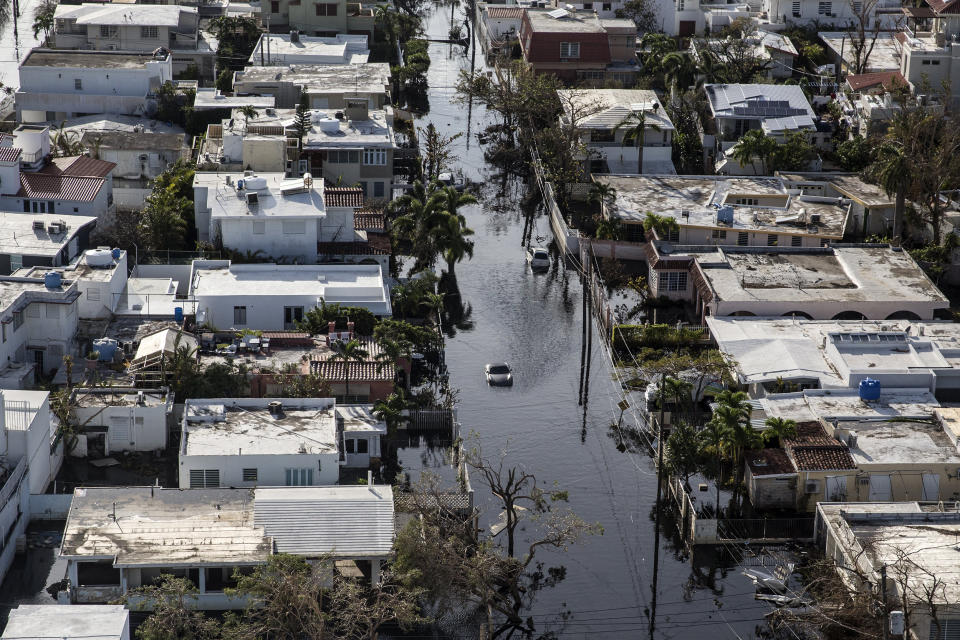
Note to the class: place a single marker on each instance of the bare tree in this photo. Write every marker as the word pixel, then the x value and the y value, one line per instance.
pixel 863 31
pixel 358 611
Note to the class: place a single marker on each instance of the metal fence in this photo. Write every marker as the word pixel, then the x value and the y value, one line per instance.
pixel 430 420
pixel 765 529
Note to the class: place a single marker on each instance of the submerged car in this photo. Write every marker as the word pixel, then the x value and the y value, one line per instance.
pixel 498 374
pixel 538 257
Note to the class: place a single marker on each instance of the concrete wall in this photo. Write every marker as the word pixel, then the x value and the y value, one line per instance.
pixel 277 240
pixel 128 428
pixel 50 506
pixel 33 443
pixel 14 515
pixel 270 468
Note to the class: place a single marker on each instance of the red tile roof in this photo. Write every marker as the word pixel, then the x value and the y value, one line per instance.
pixel 59 187
pixel 505 12
pixel 343 197
pixel 89 167
pixel 769 462
pixel 369 220
pixel 10 154
pixel 333 370
pixel 809 434
pixel 887 79
pixel 943 6
pixel 822 458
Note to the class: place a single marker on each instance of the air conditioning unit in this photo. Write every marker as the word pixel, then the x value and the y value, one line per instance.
pixel 38 225
pixel 812 487
pixel 144 157
pixel 54 229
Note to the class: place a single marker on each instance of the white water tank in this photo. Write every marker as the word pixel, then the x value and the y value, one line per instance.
pixel 328 125
pixel 99 258
pixel 255 183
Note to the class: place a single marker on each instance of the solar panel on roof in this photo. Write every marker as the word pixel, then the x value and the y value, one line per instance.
pixel 556 14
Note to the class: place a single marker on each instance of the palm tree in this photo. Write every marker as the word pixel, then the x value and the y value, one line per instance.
pixel 713 440
pixel 755 144
pixel 392 410
pixel 679 390
pixel 679 72
pixel 893 171
pixel 451 236
pixel 64 142
pixel 636 130
pixel 417 213
pixel 663 225
pixel 391 351
pixel 433 303
pixel 43 22
pixel 778 429
pixel 347 352
pixel 450 200
pixel 601 193
pixel 248 111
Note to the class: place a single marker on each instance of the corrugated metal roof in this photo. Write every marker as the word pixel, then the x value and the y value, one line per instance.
pixel 59 187
pixel 10 154
pixel 352 522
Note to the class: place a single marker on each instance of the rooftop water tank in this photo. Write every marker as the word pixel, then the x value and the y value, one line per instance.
pixel 869 389
pixel 725 214
pixel 255 183
pixel 52 280
pixel 240 184
pixel 116 253
pixel 328 125
pixel 99 258
pixel 106 347
pixel 178 314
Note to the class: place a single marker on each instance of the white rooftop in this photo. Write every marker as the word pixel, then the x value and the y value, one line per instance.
pixel 210 98
pixel 278 197
pixel 246 426
pixel 19 232
pixel 760 102
pixel 608 108
pixel 281 50
pixel 68 622
pixel 884 56
pixel 20 408
pixel 123 14
pixel 350 285
pixel 326 130
pixel 353 79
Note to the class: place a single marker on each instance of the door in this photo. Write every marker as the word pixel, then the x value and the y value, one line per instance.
pixel 880 488
pixel 686 28
pixel 931 487
pixel 836 489
pixel 291 316
pixel 121 433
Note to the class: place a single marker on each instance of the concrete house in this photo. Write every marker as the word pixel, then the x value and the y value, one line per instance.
pixel 602 119
pixel 123 419
pixel 100 276
pixel 136 27
pixel 326 86
pixel 272 297
pixel 326 19
pixel 41 240
pixel 205 534
pixel 284 49
pixel 56 85
pixel 59 622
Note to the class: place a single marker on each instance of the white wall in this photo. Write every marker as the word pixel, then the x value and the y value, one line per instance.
pixel 14 515
pixel 238 234
pixel 33 440
pixel 98 298
pixel 270 468
pixel 146 426
pixel 136 82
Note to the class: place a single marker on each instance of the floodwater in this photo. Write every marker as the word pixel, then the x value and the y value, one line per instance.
pixel 533 321
pixel 15 43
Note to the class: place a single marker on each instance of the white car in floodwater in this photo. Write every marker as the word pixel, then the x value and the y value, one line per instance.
pixel 498 374
pixel 538 257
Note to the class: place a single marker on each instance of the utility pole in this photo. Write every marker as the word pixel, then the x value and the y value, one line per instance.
pixel 658 507
pixel 886 612
pixel 583 326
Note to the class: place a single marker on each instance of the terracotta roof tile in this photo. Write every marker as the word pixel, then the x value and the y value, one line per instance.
pixel 58 187
pixel 369 221
pixel 505 12
pixel 78 166
pixel 333 370
pixel 809 434
pixel 822 458
pixel 887 79
pixel 769 462
pixel 10 154
pixel 343 197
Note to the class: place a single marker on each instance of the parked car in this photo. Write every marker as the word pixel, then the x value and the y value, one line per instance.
pixel 498 374
pixel 538 257
pixel 448 179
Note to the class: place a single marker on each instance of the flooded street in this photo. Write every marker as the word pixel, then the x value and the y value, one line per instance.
pixel 532 321
pixel 14 47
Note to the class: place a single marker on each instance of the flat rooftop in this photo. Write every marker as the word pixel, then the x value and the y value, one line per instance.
pixel 67 622
pixel 835 274
pixel 87 59
pixel 375 131
pixel 206 99
pixel 123 15
pixel 372 77
pixel 18 232
pixel 900 442
pixel 282 197
pixel 14 288
pixel 693 201
pixel 119 397
pixel 354 285
pixel 816 404
pixel 239 426
pixel 157 527
pixel 21 407
pixel 885 55
pixel 850 185
pixel 342 48
pixel 79 268
pixel 581 22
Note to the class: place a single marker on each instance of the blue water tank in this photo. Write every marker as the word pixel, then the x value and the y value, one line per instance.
pixel 178 314
pixel 725 214
pixel 106 347
pixel 869 389
pixel 116 253
pixel 52 280
pixel 240 185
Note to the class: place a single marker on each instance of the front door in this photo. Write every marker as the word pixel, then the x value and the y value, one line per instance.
pixel 880 488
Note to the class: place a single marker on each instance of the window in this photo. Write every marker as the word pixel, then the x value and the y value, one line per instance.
pixel 673 235
pixel 53 312
pixel 149 33
pixel 274 7
pixel 17 319
pixel 16 262
pixel 376 157
pixel 750 202
pixel 343 157
pixel 93 295
pixel 377 189
pixel 929 62
pixel 569 49
pixel 588 6
pixel 204 478
pixel 742 239
pixel 673 281
pixel 292 315
pixel 825 8
pixel 796 241
pixel 771 240
pixel 105 31
pixel 294 227
pixel 363 445
pixel 857 7
pixel 680 5
pixel 78 84
pixel 239 316
pixel 719 234
pixel 299 477
pixel 607 6
pixel 351 445
pixel 259 228
pixel 796 8
pixel 250 475
pixel 325 9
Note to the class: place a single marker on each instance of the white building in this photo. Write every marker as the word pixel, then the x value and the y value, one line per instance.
pixel 772 354
pixel 205 534
pixel 498 25
pixel 136 27
pixel 267 442
pixel 101 277
pixel 126 419
pixel 326 86
pixel 272 297
pixel 773 48
pixel 56 85
pixel 68 622
pixel 603 118
pixel 280 218
pixel 280 49
pixel 41 239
